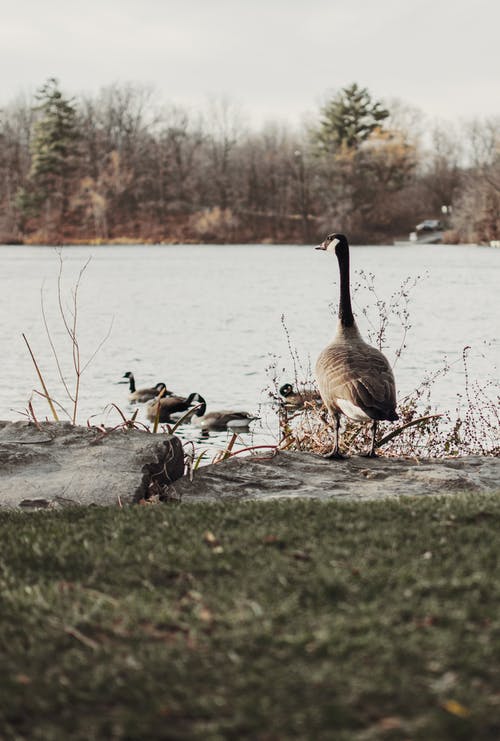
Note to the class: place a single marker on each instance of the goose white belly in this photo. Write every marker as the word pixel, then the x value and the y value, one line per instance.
pixel 352 411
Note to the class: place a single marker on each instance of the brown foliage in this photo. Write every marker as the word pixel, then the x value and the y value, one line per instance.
pixel 169 175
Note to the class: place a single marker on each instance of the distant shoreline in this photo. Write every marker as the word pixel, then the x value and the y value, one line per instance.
pixel 138 241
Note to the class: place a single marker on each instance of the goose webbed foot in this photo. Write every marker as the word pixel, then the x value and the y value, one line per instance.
pixel 334 455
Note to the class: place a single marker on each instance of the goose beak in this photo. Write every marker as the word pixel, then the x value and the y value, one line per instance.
pixel 328 244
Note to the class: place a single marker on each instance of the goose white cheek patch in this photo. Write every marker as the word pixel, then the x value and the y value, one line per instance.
pixel 333 244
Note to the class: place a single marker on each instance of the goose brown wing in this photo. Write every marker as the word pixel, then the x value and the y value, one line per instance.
pixel 359 374
pixel 143 395
pixel 226 415
pixel 168 404
pixel 173 403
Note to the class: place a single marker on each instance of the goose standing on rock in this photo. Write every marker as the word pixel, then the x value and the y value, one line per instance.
pixel 354 378
pixel 174 404
pixel 142 395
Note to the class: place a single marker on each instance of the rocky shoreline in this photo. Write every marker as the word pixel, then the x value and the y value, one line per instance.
pixel 57 464
pixel 306 475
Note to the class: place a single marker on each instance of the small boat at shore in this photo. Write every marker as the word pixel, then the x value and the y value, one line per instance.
pixel 429 231
pixel 435 238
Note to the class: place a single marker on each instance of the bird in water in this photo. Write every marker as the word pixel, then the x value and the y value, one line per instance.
pixel 223 420
pixel 139 396
pixel 297 399
pixel 354 378
pixel 171 405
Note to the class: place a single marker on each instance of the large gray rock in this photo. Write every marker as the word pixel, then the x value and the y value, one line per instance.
pixel 58 463
pixel 293 474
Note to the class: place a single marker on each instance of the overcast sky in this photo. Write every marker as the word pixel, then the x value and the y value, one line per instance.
pixel 276 59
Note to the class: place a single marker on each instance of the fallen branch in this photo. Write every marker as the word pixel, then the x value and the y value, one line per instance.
pixel 399 430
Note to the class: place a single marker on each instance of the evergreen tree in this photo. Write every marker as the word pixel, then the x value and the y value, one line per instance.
pixel 348 119
pixel 361 163
pixel 53 154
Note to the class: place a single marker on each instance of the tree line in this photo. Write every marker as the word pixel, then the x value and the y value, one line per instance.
pixel 119 165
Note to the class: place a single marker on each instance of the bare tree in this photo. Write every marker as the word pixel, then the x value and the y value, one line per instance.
pixel 476 215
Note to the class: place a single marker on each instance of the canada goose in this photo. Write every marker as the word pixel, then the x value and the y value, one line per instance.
pixel 172 404
pixel 142 395
pixel 223 420
pixel 297 399
pixel 354 378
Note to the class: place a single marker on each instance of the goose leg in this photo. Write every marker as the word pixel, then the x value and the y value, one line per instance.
pixel 335 452
pixel 371 453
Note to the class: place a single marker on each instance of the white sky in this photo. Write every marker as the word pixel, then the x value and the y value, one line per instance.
pixel 276 59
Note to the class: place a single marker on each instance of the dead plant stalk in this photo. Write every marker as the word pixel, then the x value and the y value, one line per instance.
pixel 70 321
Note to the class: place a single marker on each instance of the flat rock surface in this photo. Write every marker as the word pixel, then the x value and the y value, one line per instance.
pixel 293 474
pixel 57 463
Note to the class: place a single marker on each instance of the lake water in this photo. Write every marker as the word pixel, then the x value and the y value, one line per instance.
pixel 208 318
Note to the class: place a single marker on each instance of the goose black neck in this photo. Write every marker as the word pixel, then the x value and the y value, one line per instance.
pixel 346 317
pixel 131 381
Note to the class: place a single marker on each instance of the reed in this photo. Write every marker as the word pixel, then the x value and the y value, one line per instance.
pixel 42 381
pixel 158 410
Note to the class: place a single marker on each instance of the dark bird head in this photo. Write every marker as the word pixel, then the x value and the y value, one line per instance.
pixel 202 405
pixel 129 376
pixel 197 399
pixel 335 243
pixel 161 388
pixel 287 388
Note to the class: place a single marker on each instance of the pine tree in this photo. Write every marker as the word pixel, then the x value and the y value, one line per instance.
pixel 53 155
pixel 361 162
pixel 348 119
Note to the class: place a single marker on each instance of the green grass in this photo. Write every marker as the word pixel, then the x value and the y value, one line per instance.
pixel 292 619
